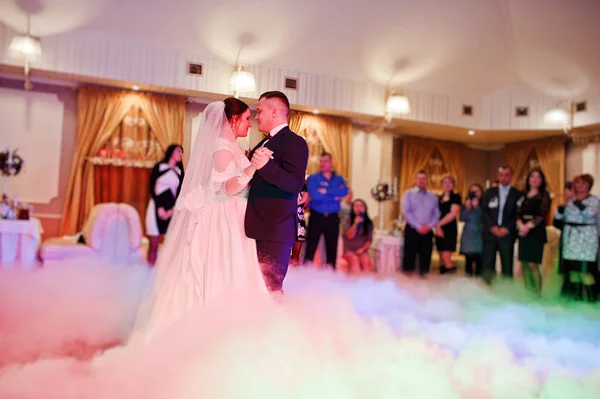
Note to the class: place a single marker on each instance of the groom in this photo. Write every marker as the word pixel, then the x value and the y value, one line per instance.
pixel 271 215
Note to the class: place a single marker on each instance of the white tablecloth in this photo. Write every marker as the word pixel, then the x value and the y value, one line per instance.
pixel 19 241
pixel 388 253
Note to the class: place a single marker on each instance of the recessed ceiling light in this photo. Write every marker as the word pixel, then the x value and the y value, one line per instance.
pixel 471 132
pixel 316 111
pixel 135 87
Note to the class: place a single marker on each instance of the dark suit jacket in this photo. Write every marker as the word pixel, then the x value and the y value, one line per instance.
pixel 271 214
pixel 509 215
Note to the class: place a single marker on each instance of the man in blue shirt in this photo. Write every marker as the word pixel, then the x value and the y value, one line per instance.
pixel 326 190
pixel 421 211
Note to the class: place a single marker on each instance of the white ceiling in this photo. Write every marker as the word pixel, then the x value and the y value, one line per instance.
pixel 461 47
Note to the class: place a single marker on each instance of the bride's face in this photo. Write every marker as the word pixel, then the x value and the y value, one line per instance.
pixel 241 124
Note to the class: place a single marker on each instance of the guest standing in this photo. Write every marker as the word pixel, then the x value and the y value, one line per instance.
pixel 421 211
pixel 531 224
pixel 446 230
pixel 566 288
pixel 499 210
pixel 164 186
pixel 581 216
pixel 471 239
pixel 326 189
pixel 303 198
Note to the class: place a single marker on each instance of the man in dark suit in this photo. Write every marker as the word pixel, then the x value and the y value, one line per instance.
pixel 271 215
pixel 499 206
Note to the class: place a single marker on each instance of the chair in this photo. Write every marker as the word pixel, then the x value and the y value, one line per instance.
pixel 112 232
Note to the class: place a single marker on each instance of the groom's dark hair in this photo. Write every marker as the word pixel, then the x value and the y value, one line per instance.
pixel 279 95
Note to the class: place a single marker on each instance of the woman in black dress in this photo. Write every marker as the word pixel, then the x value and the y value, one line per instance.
pixel 531 223
pixel 165 184
pixel 446 230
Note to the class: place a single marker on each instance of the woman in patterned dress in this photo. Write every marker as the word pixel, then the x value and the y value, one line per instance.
pixel 581 216
pixel 303 198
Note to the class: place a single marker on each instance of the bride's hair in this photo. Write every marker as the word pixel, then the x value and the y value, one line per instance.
pixel 234 107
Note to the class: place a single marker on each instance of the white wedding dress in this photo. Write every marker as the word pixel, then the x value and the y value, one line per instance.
pixel 207 255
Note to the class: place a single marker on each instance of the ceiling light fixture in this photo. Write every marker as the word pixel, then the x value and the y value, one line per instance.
pixel 396 104
pixel 561 115
pixel 242 81
pixel 26 49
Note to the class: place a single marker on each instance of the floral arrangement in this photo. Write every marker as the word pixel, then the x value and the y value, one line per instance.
pixel 10 162
pixel 398 224
pixel 382 192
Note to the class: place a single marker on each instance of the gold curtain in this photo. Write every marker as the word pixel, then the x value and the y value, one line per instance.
pixel 100 111
pixel 551 156
pixel 517 157
pixel 328 133
pixel 123 165
pixel 416 153
pixel 300 123
pixel 454 156
pixel 166 117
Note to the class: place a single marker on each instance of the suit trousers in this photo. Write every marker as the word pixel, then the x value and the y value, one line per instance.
pixel 327 225
pixel 274 258
pixel 492 245
pixel 417 244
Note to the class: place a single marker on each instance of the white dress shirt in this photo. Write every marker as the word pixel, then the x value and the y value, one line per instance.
pixel 273 132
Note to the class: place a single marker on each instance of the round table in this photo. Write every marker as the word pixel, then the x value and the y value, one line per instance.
pixel 19 242
pixel 388 253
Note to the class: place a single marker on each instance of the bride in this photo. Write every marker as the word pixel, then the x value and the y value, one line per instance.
pixel 206 252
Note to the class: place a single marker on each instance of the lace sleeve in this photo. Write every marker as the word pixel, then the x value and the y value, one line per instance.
pixel 227 176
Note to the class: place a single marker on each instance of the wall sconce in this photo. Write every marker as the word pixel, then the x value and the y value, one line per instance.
pixel 242 82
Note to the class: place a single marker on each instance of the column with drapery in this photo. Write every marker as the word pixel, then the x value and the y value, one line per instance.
pixel 100 112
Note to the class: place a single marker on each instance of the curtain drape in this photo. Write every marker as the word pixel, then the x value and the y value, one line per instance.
pixel 454 156
pixel 551 156
pixel 325 133
pixel 416 153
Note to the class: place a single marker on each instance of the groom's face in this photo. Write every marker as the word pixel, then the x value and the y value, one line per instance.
pixel 265 115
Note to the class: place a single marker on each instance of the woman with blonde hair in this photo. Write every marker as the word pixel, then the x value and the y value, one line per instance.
pixel 446 230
